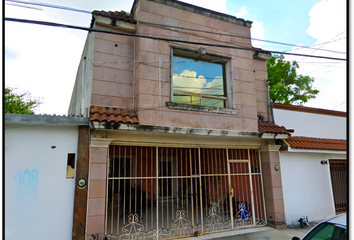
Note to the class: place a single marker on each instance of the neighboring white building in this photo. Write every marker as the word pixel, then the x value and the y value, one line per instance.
pixel 313 162
pixel 40 158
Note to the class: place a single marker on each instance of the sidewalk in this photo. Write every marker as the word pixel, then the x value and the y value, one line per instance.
pixel 260 233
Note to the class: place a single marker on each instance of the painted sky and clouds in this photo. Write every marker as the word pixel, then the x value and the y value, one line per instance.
pixel 44 60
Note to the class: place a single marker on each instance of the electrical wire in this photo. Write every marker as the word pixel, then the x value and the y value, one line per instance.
pixel 179 75
pixel 324 44
pixel 238 36
pixel 169 26
pixel 88 29
pixel 50 5
pixel 17 5
pixel 164 39
pixel 339 104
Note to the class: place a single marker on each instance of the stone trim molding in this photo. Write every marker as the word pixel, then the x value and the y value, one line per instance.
pixel 177 130
pixel 270 148
pixel 197 108
pixel 15 118
pixel 100 142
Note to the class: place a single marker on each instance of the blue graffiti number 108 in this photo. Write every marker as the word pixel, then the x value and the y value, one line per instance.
pixel 28 177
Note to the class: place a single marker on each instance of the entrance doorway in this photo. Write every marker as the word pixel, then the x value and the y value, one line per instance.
pixel 338 169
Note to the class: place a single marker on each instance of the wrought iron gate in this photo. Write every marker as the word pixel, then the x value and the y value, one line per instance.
pixel 338 169
pixel 162 192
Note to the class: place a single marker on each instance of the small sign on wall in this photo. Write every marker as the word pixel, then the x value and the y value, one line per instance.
pixel 81 183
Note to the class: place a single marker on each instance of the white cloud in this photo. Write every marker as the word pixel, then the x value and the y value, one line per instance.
pixel 326 16
pixel 241 12
pixel 215 87
pixel 257 31
pixel 188 81
pixel 327 22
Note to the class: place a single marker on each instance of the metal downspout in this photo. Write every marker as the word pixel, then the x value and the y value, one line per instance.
pixel 270 107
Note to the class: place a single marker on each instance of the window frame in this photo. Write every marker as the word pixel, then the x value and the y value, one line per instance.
pixel 227 79
pixel 71 162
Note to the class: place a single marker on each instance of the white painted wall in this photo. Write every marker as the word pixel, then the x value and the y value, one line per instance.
pixel 307 185
pixel 39 199
pixel 311 124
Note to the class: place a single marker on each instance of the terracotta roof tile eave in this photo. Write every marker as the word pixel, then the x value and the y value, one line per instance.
pixel 322 149
pixel 117 15
pixel 317 143
pixel 113 115
pixel 269 127
pixel 105 121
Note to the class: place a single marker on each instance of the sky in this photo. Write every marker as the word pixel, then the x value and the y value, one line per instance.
pixel 44 60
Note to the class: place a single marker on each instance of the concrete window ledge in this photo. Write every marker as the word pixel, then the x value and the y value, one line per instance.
pixel 196 108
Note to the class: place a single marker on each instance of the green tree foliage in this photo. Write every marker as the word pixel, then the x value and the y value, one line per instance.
pixel 19 103
pixel 285 86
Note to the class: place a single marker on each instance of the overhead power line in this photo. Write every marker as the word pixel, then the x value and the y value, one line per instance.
pixel 169 26
pixel 18 5
pixel 324 44
pixel 50 5
pixel 160 38
pixel 238 36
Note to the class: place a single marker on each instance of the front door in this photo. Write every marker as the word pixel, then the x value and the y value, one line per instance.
pixel 246 188
pixel 338 169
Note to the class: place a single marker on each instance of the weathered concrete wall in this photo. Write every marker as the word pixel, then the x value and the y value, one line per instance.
pixel 81 100
pixel 307 186
pixel 39 198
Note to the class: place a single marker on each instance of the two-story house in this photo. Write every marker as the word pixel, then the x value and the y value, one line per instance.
pixel 174 94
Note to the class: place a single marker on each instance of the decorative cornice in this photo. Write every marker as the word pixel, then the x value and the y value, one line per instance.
pixel 176 130
pixel 197 108
pixel 270 148
pixel 100 142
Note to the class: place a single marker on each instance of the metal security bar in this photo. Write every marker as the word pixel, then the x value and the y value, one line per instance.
pixel 338 169
pixel 215 188
pixel 166 192
pixel 246 183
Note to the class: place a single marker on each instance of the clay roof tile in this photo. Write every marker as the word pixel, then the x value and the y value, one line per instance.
pixel 116 15
pixel 268 127
pixel 110 114
pixel 317 143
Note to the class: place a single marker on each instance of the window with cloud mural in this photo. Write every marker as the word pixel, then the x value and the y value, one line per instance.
pixel 199 82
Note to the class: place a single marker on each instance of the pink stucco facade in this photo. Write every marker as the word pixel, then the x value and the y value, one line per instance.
pixel 135 72
pixel 145 84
